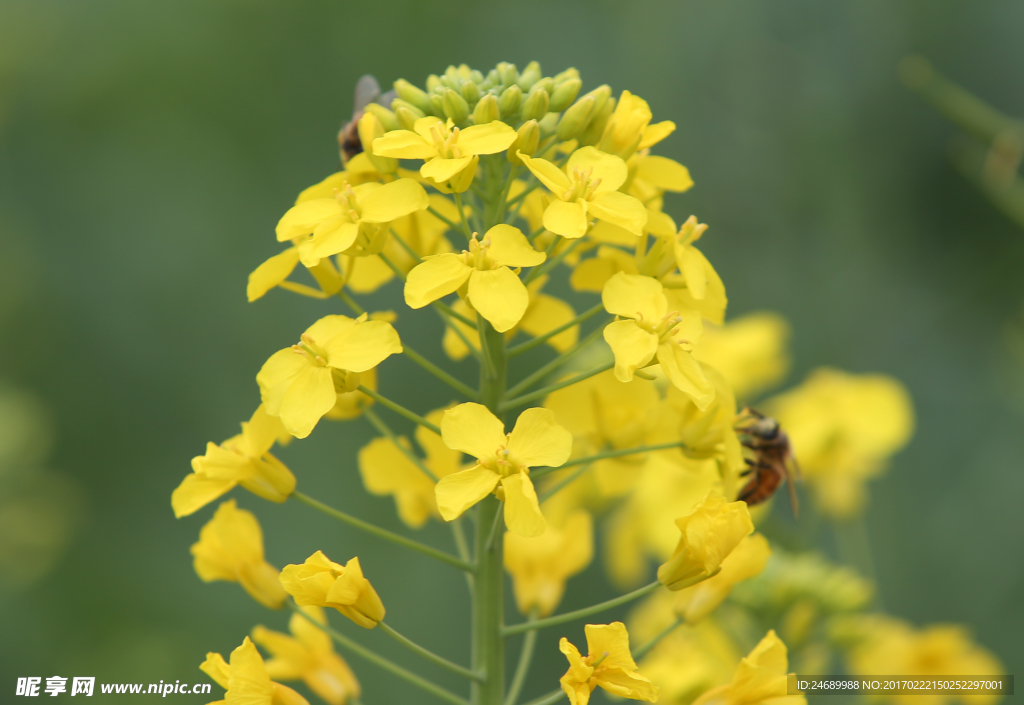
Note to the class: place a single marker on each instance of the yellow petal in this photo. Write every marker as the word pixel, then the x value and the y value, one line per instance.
pixel 522 510
pixel 620 209
pixel 275 377
pixel 547 173
pixel 656 133
pixel 459 491
pixel 310 395
pixel 499 296
pixel 386 470
pixel 610 169
pixel 326 188
pixel 686 374
pixel 612 639
pixel 486 139
pixel 435 277
pixel 216 668
pixel 472 429
pixel 367 345
pixel 195 492
pixel 403 144
pixel 632 346
pixel 634 295
pixel 511 248
pixel 441 169
pixel 328 241
pixel 271 273
pixel 568 219
pixel 660 224
pixel 303 218
pixel 367 274
pixel 424 125
pixel 546 313
pixel 248 682
pixel 664 173
pixel 537 440
pixel 391 201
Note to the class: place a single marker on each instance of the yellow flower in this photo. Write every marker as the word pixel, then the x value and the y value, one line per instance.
pixel 629 129
pixel 242 460
pixel 301 383
pixel 493 288
pixel 230 547
pixel 694 267
pixel 309 656
pixel 355 216
pixel 540 565
pixel 747 560
pixel 651 176
pixel 544 313
pixel 761 678
pixel 843 428
pixel 320 582
pixel 608 664
pixel 649 329
pixel 502 460
pixel 709 534
pixel 445 149
pixel 246 679
pixel 751 352
pixel 588 187
pixel 386 470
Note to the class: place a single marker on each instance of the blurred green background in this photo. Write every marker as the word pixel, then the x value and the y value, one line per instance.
pixel 148 149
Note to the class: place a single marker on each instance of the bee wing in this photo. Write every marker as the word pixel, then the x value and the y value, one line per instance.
pixel 386 99
pixel 367 90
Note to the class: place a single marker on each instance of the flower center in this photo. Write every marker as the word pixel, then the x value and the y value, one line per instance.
pixel 583 185
pixel 663 329
pixel 313 353
pixel 477 255
pixel 501 462
pixel 446 141
pixel 346 196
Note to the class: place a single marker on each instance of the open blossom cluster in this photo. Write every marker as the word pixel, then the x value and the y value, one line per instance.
pixel 481 196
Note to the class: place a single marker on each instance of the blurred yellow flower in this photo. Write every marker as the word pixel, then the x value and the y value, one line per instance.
pixel 751 352
pixel 843 428
pixel 308 655
pixel 587 187
pixel 493 288
pixel 387 470
pixel 301 383
pixel 540 565
pixel 608 664
pixel 503 460
pixel 709 534
pixel 246 679
pixel 650 330
pixel 243 460
pixel 230 548
pixel 746 560
pixel 320 582
pixel 761 678
pixel 629 129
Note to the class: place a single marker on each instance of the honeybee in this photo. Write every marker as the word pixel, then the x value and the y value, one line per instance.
pixel 367 91
pixel 773 460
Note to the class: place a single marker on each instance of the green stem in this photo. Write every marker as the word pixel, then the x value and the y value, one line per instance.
pixel 549 699
pixel 643 650
pixel 467 231
pixel 428 654
pixel 523 667
pixel 440 305
pixel 586 460
pixel 385 430
pixel 375 658
pixel 383 533
pixel 399 409
pixel 541 339
pixel 546 494
pixel 544 391
pixel 552 261
pixel 463 389
pixel 501 206
pixel 579 614
pixel 552 365
pixel 351 303
pixel 434 212
pixel 488 604
pixel 405 246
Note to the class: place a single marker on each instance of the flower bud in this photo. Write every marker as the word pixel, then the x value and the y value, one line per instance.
pixel 493 79
pixel 370 129
pixel 510 100
pixel 508 73
pixel 399 103
pixel 455 106
pixel 471 92
pixel 321 582
pixel 437 105
pixel 433 83
pixel 461 181
pixel 407 116
pixel 566 75
pixel 530 75
pixel 564 94
pixel 476 77
pixel 386 117
pixel 709 533
pixel 527 141
pixel 486 110
pixel 592 134
pixel 575 119
pixel 536 105
pixel 412 94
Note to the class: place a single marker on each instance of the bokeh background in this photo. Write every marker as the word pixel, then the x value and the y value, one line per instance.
pixel 148 149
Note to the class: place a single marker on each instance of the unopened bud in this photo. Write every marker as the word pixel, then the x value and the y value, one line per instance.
pixel 510 100
pixel 564 94
pixel 575 119
pixel 601 95
pixel 508 73
pixel 370 129
pixel 566 75
pixel 471 92
pixel 475 76
pixel 412 94
pixel 536 105
pixel 406 117
pixel 527 141
pixel 530 75
pixel 437 105
pixel 433 83
pixel 386 117
pixel 486 110
pixel 455 106
pixel 592 134
pixel 398 104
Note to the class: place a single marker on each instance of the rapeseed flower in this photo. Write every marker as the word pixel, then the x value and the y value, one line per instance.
pixel 492 288
pixel 760 679
pixel 540 565
pixel 319 582
pixel 503 462
pixel 243 460
pixel 308 655
pixel 301 383
pixel 629 129
pixel 747 560
pixel 230 548
pixel 608 664
pixel 246 679
pixel 709 534
pixel 751 352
